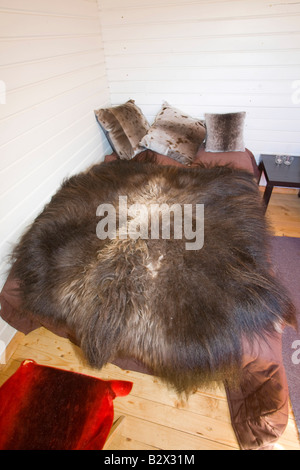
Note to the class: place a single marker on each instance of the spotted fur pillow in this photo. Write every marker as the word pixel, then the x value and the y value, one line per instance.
pixel 124 127
pixel 225 132
pixel 175 134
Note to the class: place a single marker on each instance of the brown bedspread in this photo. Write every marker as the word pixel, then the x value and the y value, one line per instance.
pixel 258 407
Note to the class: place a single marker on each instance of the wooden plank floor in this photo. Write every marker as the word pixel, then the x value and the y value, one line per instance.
pixel 283 213
pixel 154 416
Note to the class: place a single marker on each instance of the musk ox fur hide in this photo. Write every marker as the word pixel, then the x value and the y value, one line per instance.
pixel 181 312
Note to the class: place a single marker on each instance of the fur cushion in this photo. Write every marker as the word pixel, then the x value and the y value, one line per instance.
pixel 175 134
pixel 225 132
pixel 181 313
pixel 124 127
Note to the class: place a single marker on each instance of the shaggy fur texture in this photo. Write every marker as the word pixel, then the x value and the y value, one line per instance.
pixel 182 313
pixel 225 132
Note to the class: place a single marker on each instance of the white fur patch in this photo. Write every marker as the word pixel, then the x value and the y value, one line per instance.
pixel 154 266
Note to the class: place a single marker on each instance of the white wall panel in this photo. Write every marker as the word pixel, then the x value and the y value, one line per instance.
pixel 20 24
pixel 209 56
pixel 52 63
pixel 194 29
pixel 46 48
pixel 77 8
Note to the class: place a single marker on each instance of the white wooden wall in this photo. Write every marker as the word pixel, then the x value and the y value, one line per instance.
pixel 52 65
pixel 210 56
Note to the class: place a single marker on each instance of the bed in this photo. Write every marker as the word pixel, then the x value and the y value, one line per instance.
pixel 225 308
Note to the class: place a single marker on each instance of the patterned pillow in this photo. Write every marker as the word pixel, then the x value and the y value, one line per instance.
pixel 124 127
pixel 175 134
pixel 225 132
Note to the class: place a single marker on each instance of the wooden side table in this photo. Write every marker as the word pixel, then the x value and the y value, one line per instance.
pixel 279 175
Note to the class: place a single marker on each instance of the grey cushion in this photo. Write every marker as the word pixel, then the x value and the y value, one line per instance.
pixel 124 127
pixel 225 132
pixel 175 134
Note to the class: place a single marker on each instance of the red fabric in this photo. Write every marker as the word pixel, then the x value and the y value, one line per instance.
pixel 259 406
pixel 44 408
pixel 239 160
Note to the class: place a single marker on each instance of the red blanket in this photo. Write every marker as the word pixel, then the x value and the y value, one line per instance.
pixel 44 408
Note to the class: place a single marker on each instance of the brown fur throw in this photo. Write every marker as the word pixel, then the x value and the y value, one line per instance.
pixel 181 312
